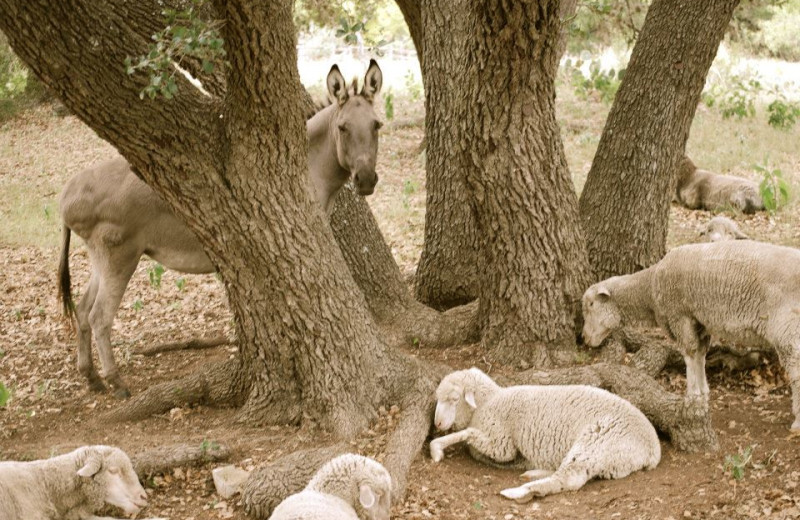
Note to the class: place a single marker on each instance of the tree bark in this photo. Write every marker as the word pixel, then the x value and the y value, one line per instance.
pixel 625 202
pixel 234 169
pixel 403 320
pixel 491 120
pixel 449 268
pixel 412 13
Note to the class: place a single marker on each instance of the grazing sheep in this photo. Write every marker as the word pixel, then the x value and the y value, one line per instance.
pixel 349 487
pixel 567 435
pixel 739 291
pixel 721 228
pixel 70 487
pixel 701 189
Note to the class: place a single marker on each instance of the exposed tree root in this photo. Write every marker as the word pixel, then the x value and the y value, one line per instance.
pixel 192 344
pixel 270 483
pixel 217 384
pixel 685 419
pixel 164 458
pixel 418 325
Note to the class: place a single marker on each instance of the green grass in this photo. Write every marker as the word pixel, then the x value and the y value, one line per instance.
pixel 29 214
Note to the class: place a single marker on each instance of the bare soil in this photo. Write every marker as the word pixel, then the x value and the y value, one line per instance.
pixel 52 412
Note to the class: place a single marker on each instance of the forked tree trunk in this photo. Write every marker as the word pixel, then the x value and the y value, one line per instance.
pixel 625 202
pixel 491 120
pixel 235 170
pixel 403 320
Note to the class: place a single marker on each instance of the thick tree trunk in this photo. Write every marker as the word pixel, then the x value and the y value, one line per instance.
pixel 234 169
pixel 625 202
pixel 449 268
pixel 403 320
pixel 491 120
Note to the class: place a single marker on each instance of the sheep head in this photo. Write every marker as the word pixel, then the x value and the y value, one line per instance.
pixel 601 314
pixel 108 474
pixel 458 395
pixel 374 491
pixel 721 228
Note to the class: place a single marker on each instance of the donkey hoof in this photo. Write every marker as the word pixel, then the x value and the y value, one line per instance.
pixel 122 393
pixel 97 386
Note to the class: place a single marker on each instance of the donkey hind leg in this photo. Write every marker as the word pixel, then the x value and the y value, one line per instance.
pixel 85 363
pixel 115 273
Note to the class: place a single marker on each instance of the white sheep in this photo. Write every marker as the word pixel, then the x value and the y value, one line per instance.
pixel 349 487
pixel 739 291
pixel 721 228
pixel 567 435
pixel 70 487
pixel 701 189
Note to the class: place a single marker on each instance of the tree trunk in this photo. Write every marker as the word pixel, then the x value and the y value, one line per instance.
pixel 625 202
pixel 412 13
pixel 450 265
pixel 491 120
pixel 403 320
pixel 234 169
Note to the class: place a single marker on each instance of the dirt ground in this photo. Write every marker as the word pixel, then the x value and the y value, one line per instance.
pixel 51 411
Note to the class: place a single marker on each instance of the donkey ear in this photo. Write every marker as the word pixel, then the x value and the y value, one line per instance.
pixel 469 397
pixel 337 87
pixel 366 496
pixel 373 80
pixel 93 464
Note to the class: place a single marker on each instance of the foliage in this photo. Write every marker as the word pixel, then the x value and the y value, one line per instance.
pixel 600 83
pixel 737 98
pixel 155 273
pixel 768 27
pixel 413 85
pixel 180 283
pixel 5 395
pixel 736 463
pixel 599 23
pixel 18 87
pixel 774 189
pixel 376 19
pixel 388 104
pixel 186 35
pixel 783 113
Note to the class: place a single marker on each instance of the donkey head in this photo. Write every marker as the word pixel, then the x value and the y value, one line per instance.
pixel 356 126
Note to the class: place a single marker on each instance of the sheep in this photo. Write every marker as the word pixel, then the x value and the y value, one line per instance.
pixel 70 487
pixel 566 435
pixel 721 228
pixel 739 291
pixel 349 487
pixel 701 189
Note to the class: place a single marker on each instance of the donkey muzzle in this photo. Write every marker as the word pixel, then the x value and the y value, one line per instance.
pixel 365 181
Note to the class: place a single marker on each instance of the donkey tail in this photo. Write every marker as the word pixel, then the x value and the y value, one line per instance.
pixel 64 282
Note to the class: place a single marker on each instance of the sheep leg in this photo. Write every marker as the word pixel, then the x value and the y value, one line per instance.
pixel 115 272
pixel 694 351
pixel 85 363
pixel 536 474
pixel 497 447
pixel 791 363
pixel 439 444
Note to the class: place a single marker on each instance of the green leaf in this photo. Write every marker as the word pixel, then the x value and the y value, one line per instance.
pixel 5 395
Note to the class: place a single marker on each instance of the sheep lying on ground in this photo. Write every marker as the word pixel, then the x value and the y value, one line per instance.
pixel 349 487
pixel 701 189
pixel 70 487
pixel 721 228
pixel 739 291
pixel 567 435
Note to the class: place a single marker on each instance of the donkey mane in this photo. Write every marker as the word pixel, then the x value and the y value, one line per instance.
pixel 319 106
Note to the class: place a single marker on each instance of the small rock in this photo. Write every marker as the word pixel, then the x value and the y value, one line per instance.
pixel 228 480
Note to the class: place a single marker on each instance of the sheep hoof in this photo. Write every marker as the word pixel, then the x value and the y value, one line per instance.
pixel 97 386
pixel 437 453
pixel 519 494
pixel 122 393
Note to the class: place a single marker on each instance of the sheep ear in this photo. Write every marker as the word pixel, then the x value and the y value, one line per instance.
pixel 603 294
pixel 469 397
pixel 337 86
pixel 740 236
pixel 373 80
pixel 92 466
pixel 366 496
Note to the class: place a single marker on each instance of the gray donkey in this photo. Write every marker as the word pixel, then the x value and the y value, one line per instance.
pixel 121 218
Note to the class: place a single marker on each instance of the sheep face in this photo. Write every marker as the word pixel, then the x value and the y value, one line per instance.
pixel 110 473
pixel 455 405
pixel 721 228
pixel 601 314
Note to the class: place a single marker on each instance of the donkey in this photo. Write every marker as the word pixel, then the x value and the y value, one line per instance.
pixel 120 218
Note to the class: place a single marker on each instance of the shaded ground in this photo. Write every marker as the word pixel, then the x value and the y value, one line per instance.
pixel 51 412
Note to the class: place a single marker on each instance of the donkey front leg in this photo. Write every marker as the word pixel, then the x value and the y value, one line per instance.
pixel 115 273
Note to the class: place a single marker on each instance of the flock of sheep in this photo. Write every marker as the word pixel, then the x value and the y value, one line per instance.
pixel 731 288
